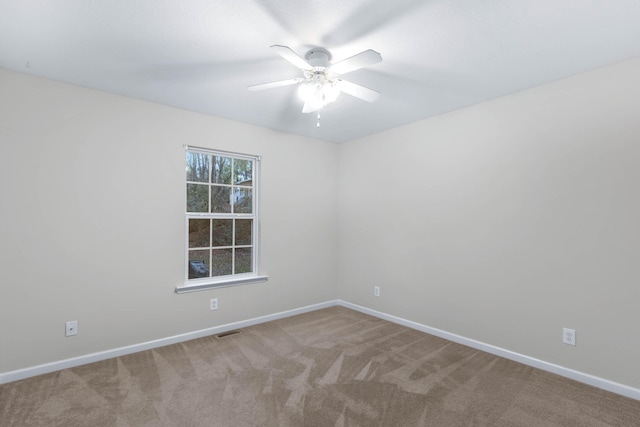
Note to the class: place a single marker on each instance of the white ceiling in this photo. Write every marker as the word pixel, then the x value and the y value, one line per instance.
pixel 200 55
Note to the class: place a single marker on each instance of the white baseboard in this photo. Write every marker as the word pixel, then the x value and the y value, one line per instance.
pixel 46 368
pixel 602 383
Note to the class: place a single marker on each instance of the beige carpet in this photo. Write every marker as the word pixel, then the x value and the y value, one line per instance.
pixel 332 367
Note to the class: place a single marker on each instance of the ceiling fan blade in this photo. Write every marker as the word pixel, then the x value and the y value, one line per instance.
pixel 361 60
pixel 358 91
pixel 291 56
pixel 275 84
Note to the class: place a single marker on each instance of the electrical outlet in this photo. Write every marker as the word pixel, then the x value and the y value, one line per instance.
pixel 213 304
pixel 376 291
pixel 569 336
pixel 71 328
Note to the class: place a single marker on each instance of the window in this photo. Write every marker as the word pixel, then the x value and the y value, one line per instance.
pixel 221 219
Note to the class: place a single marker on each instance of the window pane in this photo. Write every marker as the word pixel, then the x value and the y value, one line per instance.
pixel 198 264
pixel 220 199
pixel 244 262
pixel 197 198
pixel 198 167
pixel 242 200
pixel 222 232
pixel 221 170
pixel 242 172
pixel 220 215
pixel 221 262
pixel 243 231
pixel 199 233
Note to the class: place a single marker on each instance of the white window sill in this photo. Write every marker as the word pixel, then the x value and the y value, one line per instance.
pixel 203 286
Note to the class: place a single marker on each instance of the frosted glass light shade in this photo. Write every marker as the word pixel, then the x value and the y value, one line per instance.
pixel 318 94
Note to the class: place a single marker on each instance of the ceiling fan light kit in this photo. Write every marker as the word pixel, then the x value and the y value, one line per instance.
pixel 317 93
pixel 322 84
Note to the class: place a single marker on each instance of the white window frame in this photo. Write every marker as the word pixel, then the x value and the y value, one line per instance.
pixel 191 285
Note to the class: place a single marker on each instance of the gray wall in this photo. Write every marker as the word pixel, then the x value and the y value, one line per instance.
pixel 506 221
pixel 92 221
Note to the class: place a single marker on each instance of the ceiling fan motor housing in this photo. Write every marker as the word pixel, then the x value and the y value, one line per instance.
pixel 318 57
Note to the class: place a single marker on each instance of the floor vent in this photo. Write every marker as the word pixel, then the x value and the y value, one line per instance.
pixel 226 334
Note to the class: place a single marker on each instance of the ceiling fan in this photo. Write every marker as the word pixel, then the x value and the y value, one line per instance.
pixel 322 81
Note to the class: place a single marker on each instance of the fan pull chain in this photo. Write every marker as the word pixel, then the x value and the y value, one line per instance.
pixel 318 124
